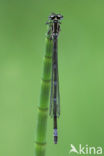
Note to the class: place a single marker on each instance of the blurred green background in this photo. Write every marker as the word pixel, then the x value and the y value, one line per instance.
pixel 81 70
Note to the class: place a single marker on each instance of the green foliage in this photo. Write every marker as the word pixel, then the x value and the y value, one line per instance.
pixel 42 113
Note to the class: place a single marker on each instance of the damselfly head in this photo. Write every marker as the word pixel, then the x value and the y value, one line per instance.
pixel 55 17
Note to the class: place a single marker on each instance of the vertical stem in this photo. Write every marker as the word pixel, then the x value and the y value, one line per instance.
pixel 42 112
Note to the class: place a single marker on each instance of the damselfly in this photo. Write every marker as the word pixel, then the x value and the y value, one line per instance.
pixel 54 23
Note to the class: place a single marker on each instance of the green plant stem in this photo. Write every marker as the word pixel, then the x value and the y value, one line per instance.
pixel 42 112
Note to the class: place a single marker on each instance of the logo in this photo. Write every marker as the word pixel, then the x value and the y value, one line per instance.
pixel 84 150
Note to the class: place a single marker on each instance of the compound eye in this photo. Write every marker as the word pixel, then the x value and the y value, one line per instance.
pixel 59 16
pixel 52 16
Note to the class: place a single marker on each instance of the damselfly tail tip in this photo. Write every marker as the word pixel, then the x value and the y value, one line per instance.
pixel 55 139
pixel 55 136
